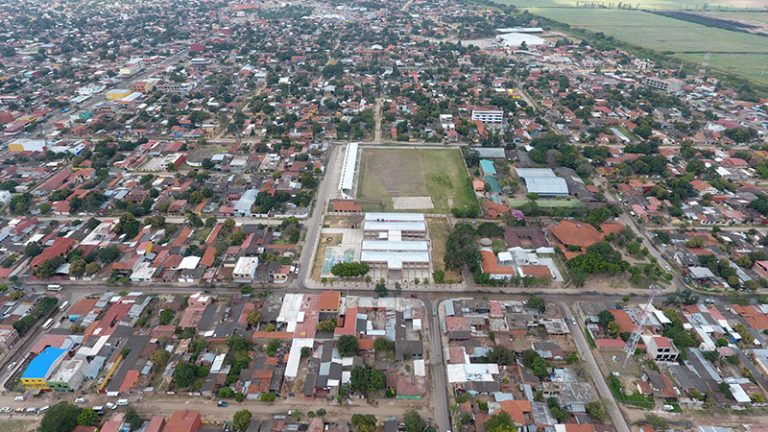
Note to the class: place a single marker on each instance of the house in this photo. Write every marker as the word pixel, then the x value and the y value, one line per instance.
pixel 183 421
pixel 575 236
pixel 245 269
pixel 661 348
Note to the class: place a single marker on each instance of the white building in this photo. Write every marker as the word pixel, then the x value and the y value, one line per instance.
pixel 488 115
pixel 660 348
pixel 245 269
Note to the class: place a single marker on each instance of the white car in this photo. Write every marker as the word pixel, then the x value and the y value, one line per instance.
pixel 111 405
pixel 80 400
pixel 5 410
pixel 122 402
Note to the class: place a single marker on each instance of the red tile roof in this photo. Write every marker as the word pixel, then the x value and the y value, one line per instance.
pixel 60 247
pixel 576 233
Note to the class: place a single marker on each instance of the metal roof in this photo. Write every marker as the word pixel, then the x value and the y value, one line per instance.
pixel 40 366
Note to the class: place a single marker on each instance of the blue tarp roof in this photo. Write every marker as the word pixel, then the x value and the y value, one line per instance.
pixel 487 166
pixel 39 366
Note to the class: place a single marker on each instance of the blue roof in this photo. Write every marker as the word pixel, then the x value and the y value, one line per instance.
pixel 493 184
pixel 487 166
pixel 40 365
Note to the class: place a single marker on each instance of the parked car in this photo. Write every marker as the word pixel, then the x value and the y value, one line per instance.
pixel 111 405
pixel 5 410
pixel 222 404
pixel 80 400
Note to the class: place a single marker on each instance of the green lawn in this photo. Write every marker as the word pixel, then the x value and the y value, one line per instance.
pixel 650 4
pixel 16 425
pixel 737 53
pixel 437 173
pixel 547 203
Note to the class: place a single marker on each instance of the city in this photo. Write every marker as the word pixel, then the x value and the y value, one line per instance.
pixel 380 216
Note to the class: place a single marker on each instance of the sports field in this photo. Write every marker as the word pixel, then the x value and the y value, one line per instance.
pixel 738 53
pixel 438 174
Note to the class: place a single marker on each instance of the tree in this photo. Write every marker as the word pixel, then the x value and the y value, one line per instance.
pixel 108 254
pixel 133 419
pixel 184 375
pixel 501 355
pixel 128 225
pixel 166 316
pixel 88 417
pixel 350 269
pixel 241 420
pixel 61 417
pixel 160 358
pixel 366 380
pixel 383 345
pixel 92 268
pixel 414 422
pixel 381 290
pixel 500 422
pixel 597 411
pixel 536 303
pixel 364 422
pixel 347 346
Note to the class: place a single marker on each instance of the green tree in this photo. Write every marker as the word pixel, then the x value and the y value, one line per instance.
pixel 536 303
pixel 366 380
pixel 364 422
pixel 128 225
pixel 597 411
pixel 133 419
pixel 184 375
pixel 347 346
pixel 166 316
pixel 241 420
pixel 88 417
pixel 414 422
pixel 500 422
pixel 61 417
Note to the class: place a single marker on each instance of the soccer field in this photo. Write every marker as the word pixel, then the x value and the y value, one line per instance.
pixel 436 174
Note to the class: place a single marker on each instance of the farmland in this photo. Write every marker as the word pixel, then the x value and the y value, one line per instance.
pixel 434 173
pixel 653 4
pixel 738 53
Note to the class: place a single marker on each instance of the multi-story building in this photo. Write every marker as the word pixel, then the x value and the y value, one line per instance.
pixel 488 115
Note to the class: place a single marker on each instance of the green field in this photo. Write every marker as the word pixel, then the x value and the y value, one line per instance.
pixel 750 17
pixel 546 203
pixel 651 4
pixel 436 173
pixel 737 53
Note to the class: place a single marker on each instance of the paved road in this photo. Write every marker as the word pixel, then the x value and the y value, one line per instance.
pixel 313 224
pixel 437 368
pixel 597 376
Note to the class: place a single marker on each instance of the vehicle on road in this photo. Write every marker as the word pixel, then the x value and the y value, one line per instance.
pixel 30 410
pixel 53 287
pixel 19 398
pixel 79 400
pixel 111 405
pixel 47 324
pixel 122 402
pixel 43 409
pixel 222 404
pixel 10 366
pixel 5 410
pixel 99 410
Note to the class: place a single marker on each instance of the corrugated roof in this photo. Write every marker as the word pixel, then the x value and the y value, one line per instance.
pixel 40 366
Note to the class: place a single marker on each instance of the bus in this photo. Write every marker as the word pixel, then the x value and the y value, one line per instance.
pixel 48 324
pixel 54 287
pixel 64 306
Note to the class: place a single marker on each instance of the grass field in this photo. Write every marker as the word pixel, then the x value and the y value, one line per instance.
pixel 546 203
pixel 15 425
pixel 652 4
pixel 737 53
pixel 437 173
pixel 438 236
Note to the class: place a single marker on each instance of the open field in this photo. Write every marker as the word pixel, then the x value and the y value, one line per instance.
pixel 438 235
pixel 436 173
pixel 654 4
pixel 546 203
pixel 15 425
pixel 738 53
